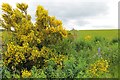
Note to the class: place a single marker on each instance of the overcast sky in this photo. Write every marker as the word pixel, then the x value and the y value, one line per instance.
pixel 77 14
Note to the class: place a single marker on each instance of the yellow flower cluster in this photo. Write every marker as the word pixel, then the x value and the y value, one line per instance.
pixel 88 37
pixel 15 53
pixel 103 65
pixel 54 22
pixel 27 38
pixel 22 6
pixel 26 73
pixel 99 66
pixel 41 12
pixel 45 53
pixel 58 29
pixel 35 54
pixel 7 8
pixel 59 59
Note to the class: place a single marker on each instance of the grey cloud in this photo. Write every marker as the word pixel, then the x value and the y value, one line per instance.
pixel 71 10
pixel 82 23
pixel 103 26
pixel 76 9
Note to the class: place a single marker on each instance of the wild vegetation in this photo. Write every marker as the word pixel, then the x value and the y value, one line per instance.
pixel 44 49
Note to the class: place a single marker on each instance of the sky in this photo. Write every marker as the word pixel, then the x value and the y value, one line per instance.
pixel 77 14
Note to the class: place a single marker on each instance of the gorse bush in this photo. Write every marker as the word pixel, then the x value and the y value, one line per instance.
pixel 29 45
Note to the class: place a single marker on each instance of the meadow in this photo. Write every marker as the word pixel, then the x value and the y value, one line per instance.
pixel 108 34
pixel 100 43
pixel 92 54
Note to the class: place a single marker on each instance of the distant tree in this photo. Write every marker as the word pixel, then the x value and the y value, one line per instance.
pixel 74 34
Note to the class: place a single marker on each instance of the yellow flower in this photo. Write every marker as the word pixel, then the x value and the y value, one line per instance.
pixel 99 66
pixel 102 65
pixel 9 61
pixel 52 29
pixel 26 73
pixel 64 33
pixel 38 40
pixel 88 37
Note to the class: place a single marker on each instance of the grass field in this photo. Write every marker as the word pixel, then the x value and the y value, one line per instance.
pixel 108 34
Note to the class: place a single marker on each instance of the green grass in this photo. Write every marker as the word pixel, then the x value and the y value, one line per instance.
pixel 108 34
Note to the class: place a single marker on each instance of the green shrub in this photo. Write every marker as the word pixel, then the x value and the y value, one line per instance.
pixel 115 40
pixel 81 45
pixel 37 73
pixel 98 39
pixel 64 47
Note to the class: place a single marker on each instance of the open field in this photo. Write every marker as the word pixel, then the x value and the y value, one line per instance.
pixel 108 34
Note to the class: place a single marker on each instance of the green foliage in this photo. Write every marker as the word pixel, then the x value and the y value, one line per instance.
pixel 115 40
pixel 83 45
pixel 107 34
pixel 37 73
pixel 6 74
pixel 98 39
pixel 65 47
